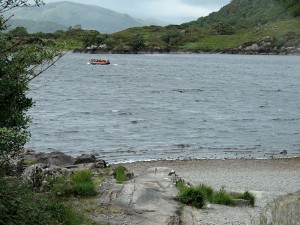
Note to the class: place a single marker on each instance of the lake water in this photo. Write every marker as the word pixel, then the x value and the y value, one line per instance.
pixel 147 107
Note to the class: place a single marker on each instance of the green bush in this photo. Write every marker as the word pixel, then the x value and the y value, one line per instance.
pixel 197 196
pixel 61 186
pixel 207 191
pixel 20 205
pixel 82 176
pixel 83 183
pixel 84 189
pixel 79 184
pixel 192 196
pixel 222 197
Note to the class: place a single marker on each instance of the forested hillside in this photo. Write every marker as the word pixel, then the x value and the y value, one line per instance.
pixel 253 12
pixel 242 26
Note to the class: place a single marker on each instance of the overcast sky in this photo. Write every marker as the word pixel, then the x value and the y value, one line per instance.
pixel 174 11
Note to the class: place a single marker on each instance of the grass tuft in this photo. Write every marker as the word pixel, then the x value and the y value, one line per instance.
pixel 222 197
pixel 120 174
pixel 192 196
pixel 197 196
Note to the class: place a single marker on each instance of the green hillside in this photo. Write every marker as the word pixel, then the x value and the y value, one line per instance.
pixel 65 14
pixel 242 26
pixel 253 12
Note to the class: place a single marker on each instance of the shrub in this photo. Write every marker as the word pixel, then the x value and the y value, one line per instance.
pixel 207 191
pixel 61 186
pixel 79 184
pixel 192 196
pixel 222 197
pixel 197 196
pixel 84 189
pixel 83 183
pixel 20 205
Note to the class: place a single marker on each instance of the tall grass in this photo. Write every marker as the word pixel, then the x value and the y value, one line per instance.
pixel 19 204
pixel 120 174
pixel 199 195
pixel 83 183
pixel 79 184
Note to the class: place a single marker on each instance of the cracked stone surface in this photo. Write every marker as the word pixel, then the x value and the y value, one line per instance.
pixel 146 199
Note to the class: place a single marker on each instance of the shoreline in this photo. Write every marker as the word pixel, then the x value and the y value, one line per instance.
pixel 234 52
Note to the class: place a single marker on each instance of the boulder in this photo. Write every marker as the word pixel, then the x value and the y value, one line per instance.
pixel 283 210
pixel 85 158
pixel 39 173
pixel 54 158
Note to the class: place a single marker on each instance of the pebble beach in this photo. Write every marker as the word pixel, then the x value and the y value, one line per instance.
pixel 267 179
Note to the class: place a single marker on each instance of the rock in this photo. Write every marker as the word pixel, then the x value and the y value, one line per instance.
pixel 283 210
pixel 284 152
pixel 99 164
pixel 39 173
pixel 241 202
pixel 85 158
pixel 253 47
pixel 35 174
pixel 54 158
pixel 143 197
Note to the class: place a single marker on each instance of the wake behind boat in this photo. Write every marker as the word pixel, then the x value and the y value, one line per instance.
pixel 99 62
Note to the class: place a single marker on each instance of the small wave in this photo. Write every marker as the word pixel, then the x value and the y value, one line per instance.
pixel 277 90
pixel 137 121
pixel 182 90
pixel 286 119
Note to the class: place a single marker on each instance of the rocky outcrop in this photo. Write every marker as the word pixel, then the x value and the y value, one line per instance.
pixel 283 210
pixel 38 167
pixel 146 199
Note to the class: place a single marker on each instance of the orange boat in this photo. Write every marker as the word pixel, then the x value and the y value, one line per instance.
pixel 99 62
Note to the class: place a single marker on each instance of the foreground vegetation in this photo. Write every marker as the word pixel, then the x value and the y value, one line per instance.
pixel 199 195
pixel 20 203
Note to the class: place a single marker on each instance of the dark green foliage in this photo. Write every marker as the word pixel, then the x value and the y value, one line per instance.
pixel 20 58
pixel 83 183
pixel 222 197
pixel 192 196
pixel 198 195
pixel 60 186
pixel 252 12
pixel 20 205
pixel 137 43
pixel 79 184
pixel 207 191
pixel 18 32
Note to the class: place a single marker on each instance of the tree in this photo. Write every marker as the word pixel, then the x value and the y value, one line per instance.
pixel 20 61
pixel 19 32
pixel 137 43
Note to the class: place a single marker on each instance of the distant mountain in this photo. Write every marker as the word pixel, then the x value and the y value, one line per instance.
pixel 61 15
